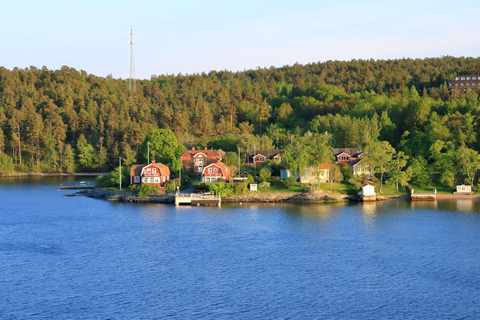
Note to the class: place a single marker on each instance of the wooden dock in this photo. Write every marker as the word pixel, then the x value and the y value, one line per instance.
pixel 424 196
pixel 197 199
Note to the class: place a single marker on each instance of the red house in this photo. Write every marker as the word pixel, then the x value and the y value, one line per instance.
pixel 345 155
pixel 259 156
pixel 216 171
pixel 156 174
pixel 196 160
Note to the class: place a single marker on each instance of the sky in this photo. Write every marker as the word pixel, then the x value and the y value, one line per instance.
pixel 188 37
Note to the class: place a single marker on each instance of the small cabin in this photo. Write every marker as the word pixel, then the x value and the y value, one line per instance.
pixel 253 187
pixel 463 189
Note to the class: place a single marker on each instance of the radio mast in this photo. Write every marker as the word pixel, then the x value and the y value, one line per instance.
pixel 132 64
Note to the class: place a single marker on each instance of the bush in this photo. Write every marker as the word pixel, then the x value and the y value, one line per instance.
pixel 265 173
pixel 146 189
pixel 264 185
pixel 289 182
pixel 6 164
pixel 240 188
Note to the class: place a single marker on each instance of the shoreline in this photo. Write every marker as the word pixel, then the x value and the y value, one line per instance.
pixel 258 197
pixel 40 174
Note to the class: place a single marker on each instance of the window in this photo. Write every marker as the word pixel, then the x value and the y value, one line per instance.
pixel 154 171
pixel 462 78
pixel 215 170
pixel 468 84
pixel 474 78
pixel 469 78
pixel 473 84
pixel 347 151
pixel 259 159
pixel 457 78
pixel 136 179
pixel 450 84
pixel 461 84
pixel 456 84
pixel 149 171
pixel 335 150
pixel 209 170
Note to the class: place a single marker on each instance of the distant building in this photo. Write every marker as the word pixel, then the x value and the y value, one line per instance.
pixel 464 83
pixel 259 156
pixel 464 189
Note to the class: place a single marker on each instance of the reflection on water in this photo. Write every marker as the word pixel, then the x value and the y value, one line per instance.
pixel 465 205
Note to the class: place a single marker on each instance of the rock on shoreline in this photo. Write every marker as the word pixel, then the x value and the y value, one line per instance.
pixel 105 195
pixel 285 197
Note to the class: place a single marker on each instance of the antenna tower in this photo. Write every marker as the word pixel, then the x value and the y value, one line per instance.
pixel 132 63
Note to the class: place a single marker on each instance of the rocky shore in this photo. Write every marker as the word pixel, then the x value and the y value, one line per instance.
pixel 285 197
pixel 255 197
pixel 105 195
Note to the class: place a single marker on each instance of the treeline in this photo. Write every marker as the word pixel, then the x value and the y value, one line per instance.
pixel 67 120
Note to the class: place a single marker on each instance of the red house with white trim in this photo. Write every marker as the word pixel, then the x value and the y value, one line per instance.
pixel 196 160
pixel 259 156
pixel 155 173
pixel 216 171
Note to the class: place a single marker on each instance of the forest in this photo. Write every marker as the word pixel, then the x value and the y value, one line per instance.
pixel 71 121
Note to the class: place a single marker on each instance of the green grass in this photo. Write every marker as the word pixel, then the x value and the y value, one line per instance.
pixel 390 190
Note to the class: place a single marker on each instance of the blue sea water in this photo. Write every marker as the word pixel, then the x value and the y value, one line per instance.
pixel 79 258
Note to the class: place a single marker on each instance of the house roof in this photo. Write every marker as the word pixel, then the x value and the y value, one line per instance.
pixel 268 153
pixel 136 169
pixel 189 154
pixel 349 151
pixel 219 164
pixel 165 170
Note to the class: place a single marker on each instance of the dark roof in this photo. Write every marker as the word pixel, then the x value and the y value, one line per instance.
pixel 268 153
pixel 350 151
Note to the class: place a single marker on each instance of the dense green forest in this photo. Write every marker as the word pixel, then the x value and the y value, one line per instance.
pixel 70 121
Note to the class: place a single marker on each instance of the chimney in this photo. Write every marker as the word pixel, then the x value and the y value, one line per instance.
pixel 193 148
pixel 205 148
pixel 153 160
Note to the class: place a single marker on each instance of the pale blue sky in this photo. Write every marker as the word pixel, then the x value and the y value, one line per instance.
pixel 199 36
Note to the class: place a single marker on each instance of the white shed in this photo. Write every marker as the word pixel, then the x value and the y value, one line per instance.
pixel 368 190
pixel 253 187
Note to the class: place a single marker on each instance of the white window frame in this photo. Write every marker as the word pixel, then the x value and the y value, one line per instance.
pixel 149 171
pixel 154 171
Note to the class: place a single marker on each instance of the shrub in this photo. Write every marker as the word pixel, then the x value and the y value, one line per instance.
pixel 265 185
pixel 289 182
pixel 146 189
pixel 265 173
pixel 6 164
pixel 240 188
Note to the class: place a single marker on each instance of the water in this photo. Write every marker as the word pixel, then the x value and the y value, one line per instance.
pixel 79 258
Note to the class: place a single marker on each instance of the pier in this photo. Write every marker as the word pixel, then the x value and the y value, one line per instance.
pixel 424 196
pixel 197 199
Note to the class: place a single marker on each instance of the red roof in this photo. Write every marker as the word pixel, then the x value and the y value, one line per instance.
pixel 189 154
pixel 136 169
